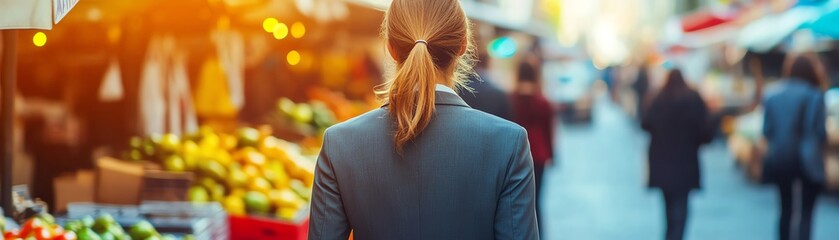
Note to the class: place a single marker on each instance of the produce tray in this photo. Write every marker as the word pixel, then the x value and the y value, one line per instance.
pixel 205 221
pixel 202 221
pixel 261 228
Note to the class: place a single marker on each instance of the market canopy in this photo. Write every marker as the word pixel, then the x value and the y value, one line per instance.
pixel 33 14
pixel 827 25
pixel 768 32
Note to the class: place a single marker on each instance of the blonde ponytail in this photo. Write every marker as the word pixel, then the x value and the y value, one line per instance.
pixel 412 94
pixel 431 43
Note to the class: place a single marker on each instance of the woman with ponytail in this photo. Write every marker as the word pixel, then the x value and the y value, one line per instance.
pixel 425 165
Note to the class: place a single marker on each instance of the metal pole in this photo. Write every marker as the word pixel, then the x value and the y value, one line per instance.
pixel 7 112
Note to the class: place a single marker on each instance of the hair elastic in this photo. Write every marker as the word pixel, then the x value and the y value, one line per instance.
pixel 421 41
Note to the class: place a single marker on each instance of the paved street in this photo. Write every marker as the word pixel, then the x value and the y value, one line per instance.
pixel 597 191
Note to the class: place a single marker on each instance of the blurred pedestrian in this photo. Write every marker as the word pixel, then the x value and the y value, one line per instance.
pixel 678 122
pixel 486 96
pixel 426 165
pixel 641 87
pixel 794 128
pixel 534 113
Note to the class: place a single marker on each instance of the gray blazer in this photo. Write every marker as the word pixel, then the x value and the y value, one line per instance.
pixel 469 175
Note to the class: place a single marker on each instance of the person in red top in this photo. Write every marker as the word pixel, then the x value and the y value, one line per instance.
pixel 533 112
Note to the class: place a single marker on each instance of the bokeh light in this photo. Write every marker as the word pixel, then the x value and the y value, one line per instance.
pixel 293 58
pixel 298 30
pixel 40 39
pixel 280 31
pixel 269 24
pixel 503 47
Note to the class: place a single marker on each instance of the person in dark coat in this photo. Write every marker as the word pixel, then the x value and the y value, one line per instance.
pixel 641 87
pixel 485 95
pixel 794 127
pixel 678 122
pixel 533 112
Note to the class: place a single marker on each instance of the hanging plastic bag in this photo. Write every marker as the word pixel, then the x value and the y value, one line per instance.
pixel 111 89
pixel 151 98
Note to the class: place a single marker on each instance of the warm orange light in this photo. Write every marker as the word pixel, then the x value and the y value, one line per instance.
pixel 269 24
pixel 298 30
pixel 293 58
pixel 114 33
pixel 223 23
pixel 280 31
pixel 39 39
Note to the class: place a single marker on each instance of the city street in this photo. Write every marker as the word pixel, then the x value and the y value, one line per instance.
pixel 597 190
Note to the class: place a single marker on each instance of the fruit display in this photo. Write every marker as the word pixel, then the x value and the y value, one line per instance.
pixel 301 121
pixel 104 227
pixel 343 108
pixel 42 226
pixel 250 172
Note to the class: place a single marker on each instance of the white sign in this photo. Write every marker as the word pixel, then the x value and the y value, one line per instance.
pixel 61 8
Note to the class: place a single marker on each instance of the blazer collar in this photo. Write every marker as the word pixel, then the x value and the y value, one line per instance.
pixel 445 98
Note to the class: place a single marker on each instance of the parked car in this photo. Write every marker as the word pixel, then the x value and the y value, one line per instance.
pixel 569 85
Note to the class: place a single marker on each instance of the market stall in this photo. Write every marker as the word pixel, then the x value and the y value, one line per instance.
pixel 226 108
pixel 17 14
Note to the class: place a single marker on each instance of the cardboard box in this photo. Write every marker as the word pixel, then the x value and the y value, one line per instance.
pixel 76 187
pixel 129 183
pixel 118 182
pixel 165 186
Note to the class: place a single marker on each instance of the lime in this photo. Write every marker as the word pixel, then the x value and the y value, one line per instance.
pixel 207 183
pixel 170 143
pixel 87 221
pixel 248 137
pixel 237 178
pixel 149 150
pixel 302 113
pixel 103 223
pixel 117 231
pixel 142 230
pixel 286 198
pixel 197 194
pixel 286 106
pixel 174 163
pixel 46 217
pixel 257 202
pixel 136 142
pixel 73 226
pixel 107 236
pixel 135 155
pixel 214 169
pixel 87 234
pixel 217 193
pixel 301 190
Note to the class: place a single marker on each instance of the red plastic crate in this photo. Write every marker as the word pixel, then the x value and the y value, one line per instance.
pixel 259 228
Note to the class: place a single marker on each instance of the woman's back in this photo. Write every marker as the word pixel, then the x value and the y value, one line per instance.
pixel 425 166
pixel 786 118
pixel 468 176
